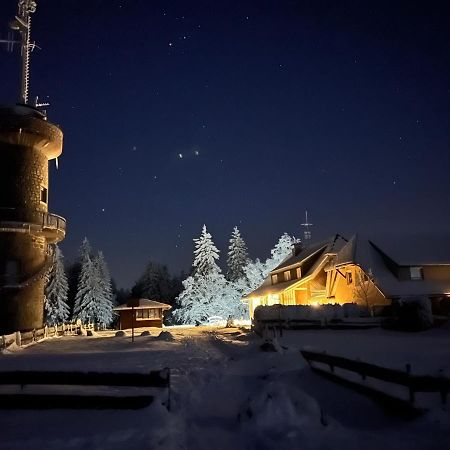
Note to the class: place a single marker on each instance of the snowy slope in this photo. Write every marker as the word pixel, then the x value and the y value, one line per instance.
pixel 229 394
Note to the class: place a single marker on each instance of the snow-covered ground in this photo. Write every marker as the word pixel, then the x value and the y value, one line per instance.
pixel 226 393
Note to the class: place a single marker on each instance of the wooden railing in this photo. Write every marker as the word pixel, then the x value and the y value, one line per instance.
pixel 413 383
pixel 20 338
pixel 44 398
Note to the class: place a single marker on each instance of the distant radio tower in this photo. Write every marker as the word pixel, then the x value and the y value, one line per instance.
pixel 22 23
pixel 307 232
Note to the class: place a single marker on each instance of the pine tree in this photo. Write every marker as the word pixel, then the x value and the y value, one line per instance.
pixel 85 307
pixel 281 251
pixel 74 273
pixel 155 283
pixel 202 296
pixel 85 251
pixel 103 292
pixel 237 256
pixel 56 309
pixel 255 273
pixel 205 254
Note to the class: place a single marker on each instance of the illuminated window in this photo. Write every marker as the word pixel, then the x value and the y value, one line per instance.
pixel 44 194
pixel 145 314
pixel 349 278
pixel 287 275
pixel 298 271
pixel 274 279
pixel 416 273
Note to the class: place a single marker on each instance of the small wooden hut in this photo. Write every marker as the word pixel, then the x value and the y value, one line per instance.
pixel 141 312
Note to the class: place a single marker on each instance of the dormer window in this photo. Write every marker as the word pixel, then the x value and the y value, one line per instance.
pixel 274 279
pixel 287 275
pixel 298 272
pixel 416 273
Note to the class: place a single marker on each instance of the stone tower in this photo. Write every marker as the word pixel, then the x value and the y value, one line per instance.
pixel 27 230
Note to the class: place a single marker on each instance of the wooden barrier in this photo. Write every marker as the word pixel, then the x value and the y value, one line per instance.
pixel 414 383
pixel 22 400
pixel 21 338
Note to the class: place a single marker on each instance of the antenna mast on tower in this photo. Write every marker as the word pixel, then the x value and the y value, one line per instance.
pixel 307 232
pixel 22 23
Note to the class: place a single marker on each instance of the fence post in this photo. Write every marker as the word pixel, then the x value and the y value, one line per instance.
pixel 18 339
pixel 443 388
pixel 412 396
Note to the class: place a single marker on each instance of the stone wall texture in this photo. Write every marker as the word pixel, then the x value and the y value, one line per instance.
pixel 23 173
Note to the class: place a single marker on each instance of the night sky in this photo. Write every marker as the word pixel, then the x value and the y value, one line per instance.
pixel 340 108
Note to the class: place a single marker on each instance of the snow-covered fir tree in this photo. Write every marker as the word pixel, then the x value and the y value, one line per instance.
pixel 205 254
pixel 255 273
pixel 205 293
pixel 85 251
pixel 56 308
pixel 85 307
pixel 237 256
pixel 281 251
pixel 104 294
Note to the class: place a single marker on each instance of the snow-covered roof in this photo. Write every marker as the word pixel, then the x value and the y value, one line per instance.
pixel 332 245
pixel 143 303
pixel 371 258
pixel 363 252
pixel 313 253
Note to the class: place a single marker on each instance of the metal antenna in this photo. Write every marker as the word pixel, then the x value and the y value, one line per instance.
pixel 307 232
pixel 22 23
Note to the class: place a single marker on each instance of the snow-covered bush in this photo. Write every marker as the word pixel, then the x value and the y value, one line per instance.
pixel 287 313
pixel 282 416
pixel 166 336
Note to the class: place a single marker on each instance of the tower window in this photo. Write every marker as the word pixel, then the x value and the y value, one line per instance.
pixel 44 194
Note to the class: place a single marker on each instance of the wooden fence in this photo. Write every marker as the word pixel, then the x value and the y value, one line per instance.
pixel 21 338
pixel 81 398
pixel 413 383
